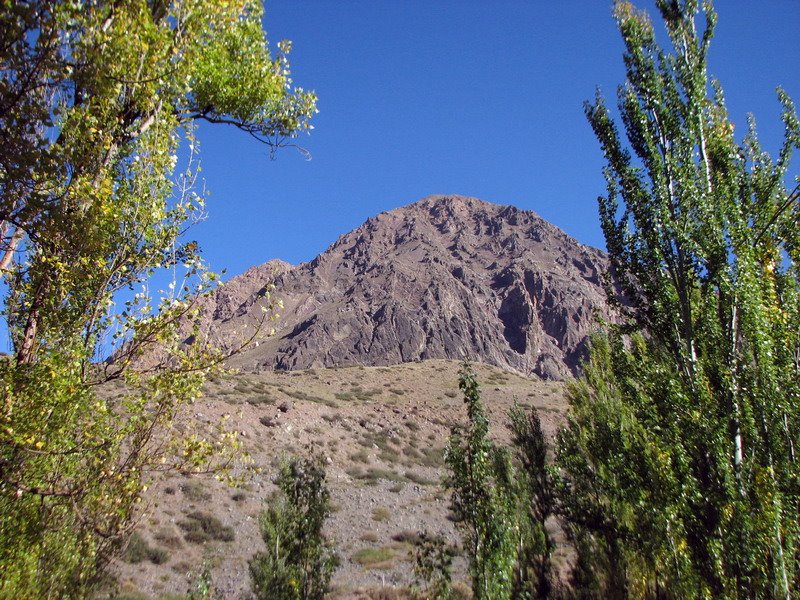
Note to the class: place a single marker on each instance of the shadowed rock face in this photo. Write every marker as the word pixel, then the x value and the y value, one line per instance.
pixel 446 277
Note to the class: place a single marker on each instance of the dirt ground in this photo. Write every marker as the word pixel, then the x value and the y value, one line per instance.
pixel 382 431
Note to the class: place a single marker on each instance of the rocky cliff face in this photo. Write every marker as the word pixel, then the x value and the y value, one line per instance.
pixel 446 277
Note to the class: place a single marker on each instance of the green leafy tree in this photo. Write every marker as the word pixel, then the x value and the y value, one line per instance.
pixel 618 492
pixel 481 481
pixel 679 459
pixel 536 503
pixel 95 98
pixel 299 562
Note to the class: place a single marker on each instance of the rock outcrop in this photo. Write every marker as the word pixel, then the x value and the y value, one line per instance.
pixel 446 277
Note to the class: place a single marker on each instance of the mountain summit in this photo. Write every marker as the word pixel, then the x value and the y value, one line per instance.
pixel 446 277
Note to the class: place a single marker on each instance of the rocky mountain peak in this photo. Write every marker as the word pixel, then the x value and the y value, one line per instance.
pixel 445 277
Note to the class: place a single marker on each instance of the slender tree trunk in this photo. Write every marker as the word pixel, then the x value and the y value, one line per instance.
pixel 26 351
pixel 8 254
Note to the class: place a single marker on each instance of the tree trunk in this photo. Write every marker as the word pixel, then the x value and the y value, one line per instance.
pixel 26 351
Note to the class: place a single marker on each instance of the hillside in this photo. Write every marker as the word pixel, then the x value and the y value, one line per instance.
pixel 446 277
pixel 382 431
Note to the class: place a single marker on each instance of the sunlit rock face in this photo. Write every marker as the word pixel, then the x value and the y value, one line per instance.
pixel 446 277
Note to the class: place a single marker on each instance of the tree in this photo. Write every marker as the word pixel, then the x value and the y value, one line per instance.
pixel 679 456
pixel 299 562
pixel 483 500
pixel 617 493
pixel 536 503
pixel 95 98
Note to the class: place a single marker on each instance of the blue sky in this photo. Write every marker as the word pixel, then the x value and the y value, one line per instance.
pixel 421 97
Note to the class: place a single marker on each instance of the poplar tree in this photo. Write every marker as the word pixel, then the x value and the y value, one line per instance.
pixel 536 504
pixel 95 99
pixel 298 562
pixel 483 500
pixel 681 473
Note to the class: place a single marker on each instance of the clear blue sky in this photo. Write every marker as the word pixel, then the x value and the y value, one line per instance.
pixel 482 98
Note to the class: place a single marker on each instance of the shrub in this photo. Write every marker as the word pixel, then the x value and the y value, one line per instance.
pixel 139 550
pixel 201 527
pixel 434 457
pixel 419 479
pixel 168 537
pixel 408 536
pixel 433 562
pixel 194 490
pixel 380 513
pixel 264 398
pixel 412 452
pixel 375 558
pixel 360 456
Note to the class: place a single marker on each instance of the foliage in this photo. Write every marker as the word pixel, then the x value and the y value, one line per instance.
pixel 433 562
pixel 94 99
pixel 201 587
pixel 299 561
pixel 535 504
pixel 483 501
pixel 200 527
pixel 616 490
pixel 139 550
pixel 681 478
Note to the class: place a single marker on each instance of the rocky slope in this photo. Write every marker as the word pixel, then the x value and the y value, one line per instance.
pixel 382 432
pixel 446 277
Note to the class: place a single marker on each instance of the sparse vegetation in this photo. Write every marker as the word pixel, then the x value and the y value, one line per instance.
pixel 200 527
pixel 411 490
pixel 139 550
pixel 361 456
pixel 194 490
pixel 374 558
pixel 381 514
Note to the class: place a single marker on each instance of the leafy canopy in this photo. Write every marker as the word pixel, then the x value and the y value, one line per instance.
pixel 680 454
pixel 95 99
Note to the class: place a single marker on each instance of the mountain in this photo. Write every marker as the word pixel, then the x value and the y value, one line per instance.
pixel 446 277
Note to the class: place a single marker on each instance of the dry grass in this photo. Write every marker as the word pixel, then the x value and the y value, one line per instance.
pixel 374 558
